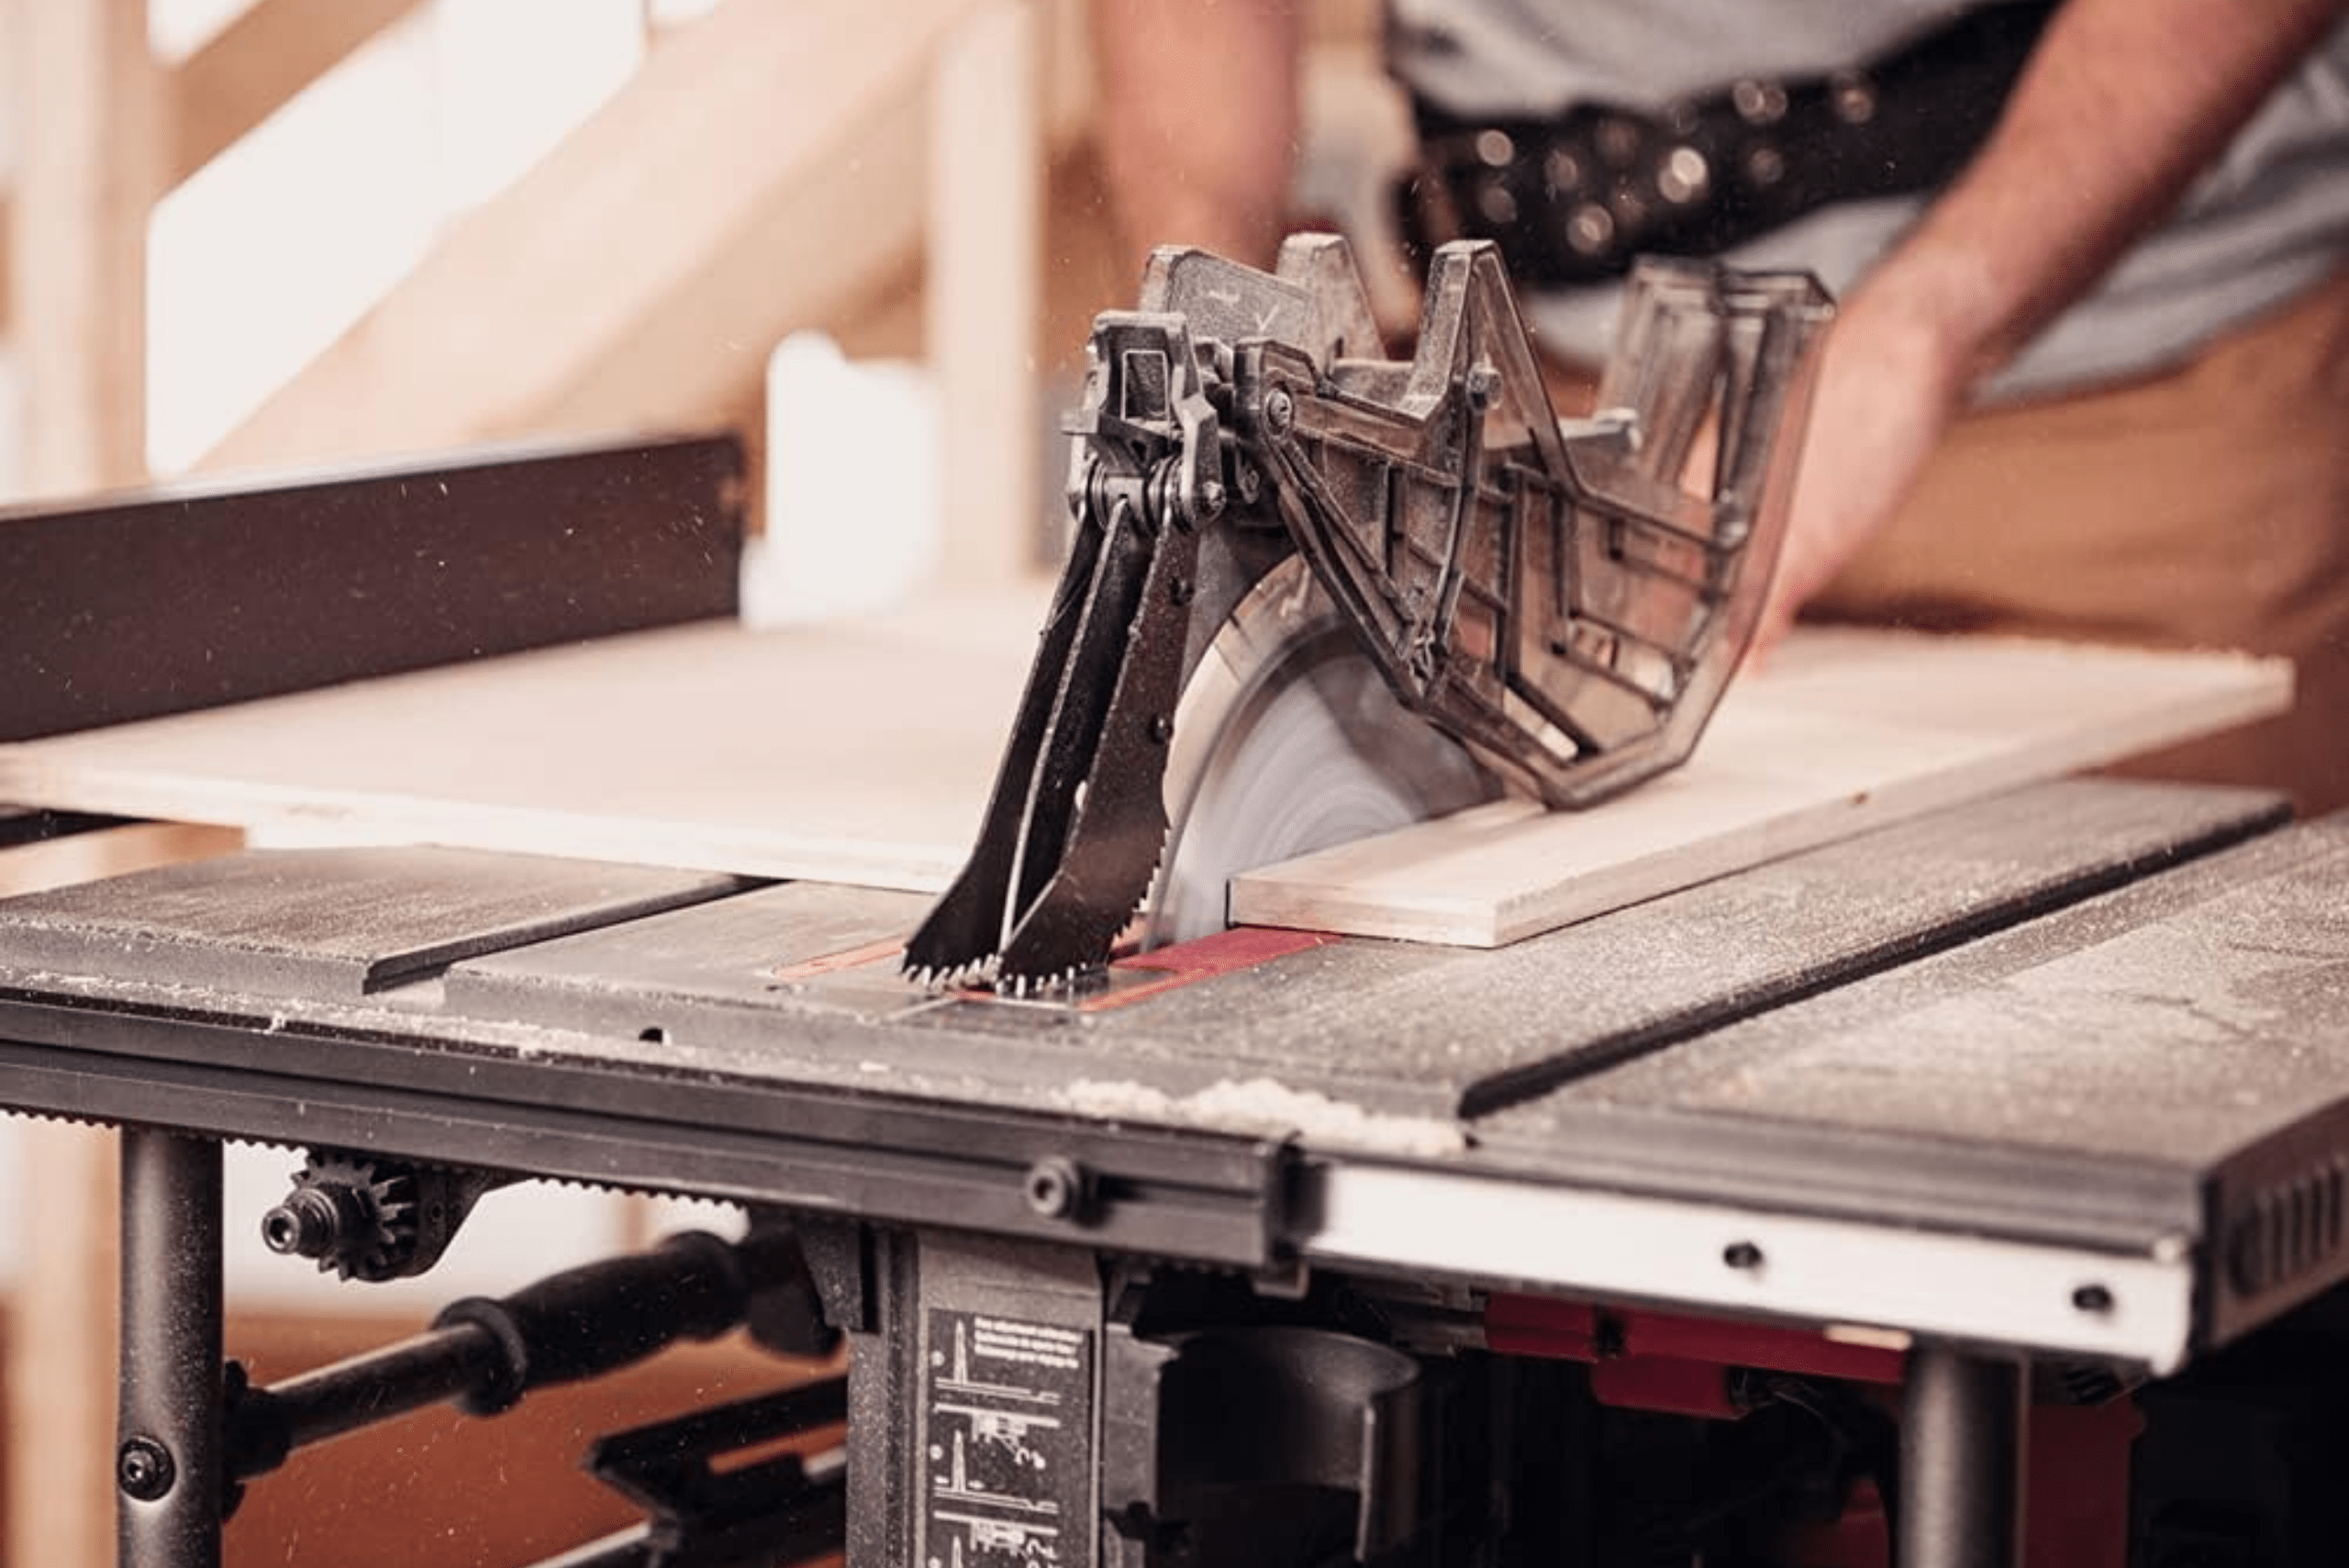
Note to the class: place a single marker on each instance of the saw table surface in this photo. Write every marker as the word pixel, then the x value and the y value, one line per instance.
pixel 2006 1025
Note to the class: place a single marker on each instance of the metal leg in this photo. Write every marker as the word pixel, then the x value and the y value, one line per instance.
pixel 168 1462
pixel 1961 1461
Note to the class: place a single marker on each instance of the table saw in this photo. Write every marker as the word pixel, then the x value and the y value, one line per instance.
pixel 1965 1191
pixel 2057 1080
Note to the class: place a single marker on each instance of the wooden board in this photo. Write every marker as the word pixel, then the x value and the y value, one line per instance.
pixel 858 753
pixel 862 753
pixel 1846 730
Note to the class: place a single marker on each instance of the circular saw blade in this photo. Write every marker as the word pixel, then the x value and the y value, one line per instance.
pixel 1288 740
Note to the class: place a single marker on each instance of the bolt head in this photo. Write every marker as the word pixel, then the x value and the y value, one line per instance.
pixel 1056 1187
pixel 2094 1299
pixel 144 1471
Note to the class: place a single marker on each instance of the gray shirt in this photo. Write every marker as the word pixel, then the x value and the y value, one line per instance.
pixel 2270 220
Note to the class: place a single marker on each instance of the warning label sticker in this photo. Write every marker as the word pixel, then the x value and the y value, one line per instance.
pixel 1010 1461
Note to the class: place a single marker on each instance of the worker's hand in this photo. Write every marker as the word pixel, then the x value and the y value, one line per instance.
pixel 2125 103
pixel 1889 387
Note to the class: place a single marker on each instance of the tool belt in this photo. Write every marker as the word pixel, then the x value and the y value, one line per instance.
pixel 1573 198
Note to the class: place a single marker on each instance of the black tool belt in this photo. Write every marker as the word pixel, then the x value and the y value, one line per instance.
pixel 1572 199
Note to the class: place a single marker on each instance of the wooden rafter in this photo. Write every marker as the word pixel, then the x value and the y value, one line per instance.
pixel 85 101
pixel 986 193
pixel 760 169
pixel 251 67
pixel 8 258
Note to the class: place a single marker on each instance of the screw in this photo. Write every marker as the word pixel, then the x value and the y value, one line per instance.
pixel 1162 730
pixel 1179 592
pixel 1742 1255
pixel 2092 1298
pixel 144 1470
pixel 1764 166
pixel 1211 498
pixel 1056 1187
pixel 1278 410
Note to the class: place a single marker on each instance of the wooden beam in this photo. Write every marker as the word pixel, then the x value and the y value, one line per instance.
pixel 640 271
pixel 12 129
pixel 61 1354
pixel 7 260
pixel 985 199
pixel 62 1376
pixel 842 247
pixel 835 236
pixel 84 103
pixel 251 67
pixel 86 99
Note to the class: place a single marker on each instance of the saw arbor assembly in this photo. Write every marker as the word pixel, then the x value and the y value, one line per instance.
pixel 1788 1220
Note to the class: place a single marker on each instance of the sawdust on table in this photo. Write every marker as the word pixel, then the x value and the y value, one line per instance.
pixel 1266 1105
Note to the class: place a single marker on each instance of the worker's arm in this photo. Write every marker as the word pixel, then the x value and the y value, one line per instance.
pixel 2124 103
pixel 1198 121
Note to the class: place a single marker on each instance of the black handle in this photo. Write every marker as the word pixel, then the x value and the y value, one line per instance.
pixel 605 1315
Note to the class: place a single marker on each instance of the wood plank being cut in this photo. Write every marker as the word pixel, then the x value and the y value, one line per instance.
pixel 1846 730
pixel 862 753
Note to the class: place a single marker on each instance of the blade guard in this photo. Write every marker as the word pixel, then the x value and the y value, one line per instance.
pixel 1554 597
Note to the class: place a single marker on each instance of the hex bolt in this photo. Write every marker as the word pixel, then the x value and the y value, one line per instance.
pixel 1162 730
pixel 1057 1187
pixel 1180 591
pixel 144 1470
pixel 1742 1255
pixel 1278 410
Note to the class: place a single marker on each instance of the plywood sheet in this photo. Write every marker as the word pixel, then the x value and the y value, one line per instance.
pixel 1846 730
pixel 862 753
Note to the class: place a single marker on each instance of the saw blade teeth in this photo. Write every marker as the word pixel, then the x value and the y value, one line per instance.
pixel 952 976
pixel 1027 986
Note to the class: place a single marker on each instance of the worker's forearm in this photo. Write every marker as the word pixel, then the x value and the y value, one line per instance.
pixel 2124 104
pixel 1198 119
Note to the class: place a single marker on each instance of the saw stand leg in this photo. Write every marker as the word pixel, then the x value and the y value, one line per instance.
pixel 1961 1461
pixel 169 1458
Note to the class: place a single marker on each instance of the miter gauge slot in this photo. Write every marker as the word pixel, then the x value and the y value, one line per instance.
pixel 1563 604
